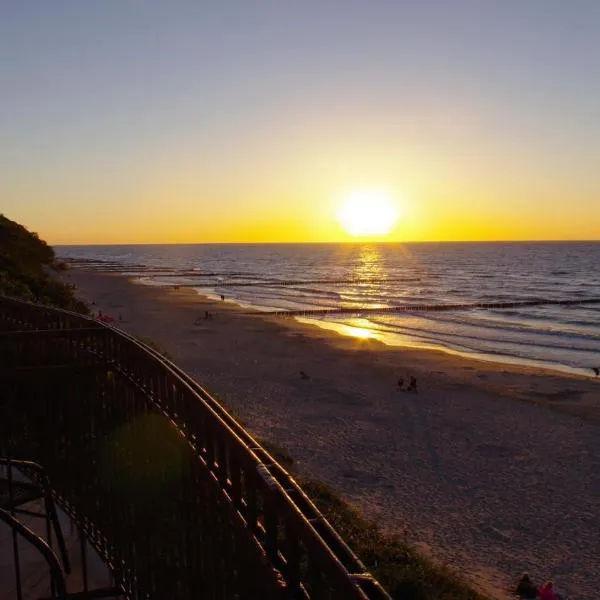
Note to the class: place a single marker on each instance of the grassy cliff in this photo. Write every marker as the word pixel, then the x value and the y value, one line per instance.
pixel 29 269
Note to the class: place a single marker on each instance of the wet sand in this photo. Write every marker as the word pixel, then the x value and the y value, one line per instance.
pixel 491 469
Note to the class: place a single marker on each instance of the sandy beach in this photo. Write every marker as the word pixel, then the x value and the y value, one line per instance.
pixel 489 468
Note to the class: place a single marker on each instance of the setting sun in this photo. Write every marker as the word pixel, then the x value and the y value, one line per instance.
pixel 368 213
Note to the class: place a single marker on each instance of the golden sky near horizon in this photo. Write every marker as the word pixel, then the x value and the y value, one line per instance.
pixel 287 207
pixel 420 218
pixel 413 225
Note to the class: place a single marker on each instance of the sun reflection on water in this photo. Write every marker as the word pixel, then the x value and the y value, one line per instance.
pixel 369 263
pixel 359 328
pixel 357 332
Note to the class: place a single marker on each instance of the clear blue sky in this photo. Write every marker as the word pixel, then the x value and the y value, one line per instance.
pixel 175 121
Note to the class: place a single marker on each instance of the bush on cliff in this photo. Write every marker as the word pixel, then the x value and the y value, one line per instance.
pixel 28 269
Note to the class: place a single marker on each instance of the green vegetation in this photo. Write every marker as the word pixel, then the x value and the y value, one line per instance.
pixel 28 269
pixel 402 571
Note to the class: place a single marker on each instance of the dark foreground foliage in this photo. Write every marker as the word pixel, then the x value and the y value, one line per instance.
pixel 28 269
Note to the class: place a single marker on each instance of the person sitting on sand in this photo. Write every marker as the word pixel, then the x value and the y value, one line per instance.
pixel 526 588
pixel 304 375
pixel 412 386
pixel 547 592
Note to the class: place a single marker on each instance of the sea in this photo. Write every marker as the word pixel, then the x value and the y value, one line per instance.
pixel 535 303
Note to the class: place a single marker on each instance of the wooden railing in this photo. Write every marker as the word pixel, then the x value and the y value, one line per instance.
pixel 173 493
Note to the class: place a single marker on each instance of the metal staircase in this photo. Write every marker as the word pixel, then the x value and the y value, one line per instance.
pixel 27 508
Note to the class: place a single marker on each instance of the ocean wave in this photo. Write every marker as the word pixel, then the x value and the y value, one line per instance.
pixel 498 335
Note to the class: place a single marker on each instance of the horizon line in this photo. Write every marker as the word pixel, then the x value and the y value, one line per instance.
pixel 348 242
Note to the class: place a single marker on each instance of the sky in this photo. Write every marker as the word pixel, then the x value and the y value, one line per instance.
pixel 139 121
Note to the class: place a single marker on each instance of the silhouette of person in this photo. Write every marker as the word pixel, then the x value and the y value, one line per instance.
pixel 526 588
pixel 412 386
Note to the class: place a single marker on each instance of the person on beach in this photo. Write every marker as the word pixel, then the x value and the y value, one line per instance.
pixel 526 588
pixel 412 386
pixel 401 383
pixel 548 592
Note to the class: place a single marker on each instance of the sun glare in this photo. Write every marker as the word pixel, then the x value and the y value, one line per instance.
pixel 368 213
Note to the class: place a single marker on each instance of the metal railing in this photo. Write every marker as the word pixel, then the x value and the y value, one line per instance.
pixel 173 493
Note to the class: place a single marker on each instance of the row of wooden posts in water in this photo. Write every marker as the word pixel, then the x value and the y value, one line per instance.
pixel 436 307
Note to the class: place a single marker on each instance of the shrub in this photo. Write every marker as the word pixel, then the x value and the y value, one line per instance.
pixel 27 269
